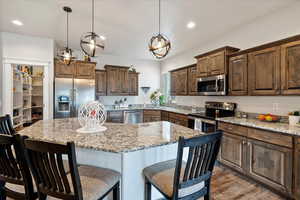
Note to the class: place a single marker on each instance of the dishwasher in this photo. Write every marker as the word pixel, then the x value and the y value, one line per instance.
pixel 133 116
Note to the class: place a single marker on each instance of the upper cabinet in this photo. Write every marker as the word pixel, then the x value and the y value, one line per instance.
pixel 290 68
pixel 264 71
pixel 101 82
pixel 179 82
pixel 77 69
pixel 192 80
pixel 133 83
pixel 214 62
pixel 238 75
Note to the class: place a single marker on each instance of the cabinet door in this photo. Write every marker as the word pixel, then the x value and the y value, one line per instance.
pixel 297 169
pixel 202 66
pixel 113 81
pixel 192 80
pixel 216 64
pixel 182 82
pixel 173 83
pixel 101 82
pixel 233 151
pixel 123 81
pixel 290 68
pixel 85 70
pixel 238 75
pixel 270 164
pixel 133 84
pixel 164 116
pixel 64 71
pixel 264 72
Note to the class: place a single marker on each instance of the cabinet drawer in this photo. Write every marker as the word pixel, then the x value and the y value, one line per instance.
pixel 271 137
pixel 236 129
pixel 154 113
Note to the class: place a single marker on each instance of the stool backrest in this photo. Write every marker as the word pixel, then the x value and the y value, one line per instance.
pixel 6 125
pixel 46 163
pixel 203 151
pixel 13 166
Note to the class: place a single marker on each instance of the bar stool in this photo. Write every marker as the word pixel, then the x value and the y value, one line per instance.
pixel 84 182
pixel 179 180
pixel 6 125
pixel 15 177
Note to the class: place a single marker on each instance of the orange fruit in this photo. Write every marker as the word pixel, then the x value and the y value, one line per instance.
pixel 261 117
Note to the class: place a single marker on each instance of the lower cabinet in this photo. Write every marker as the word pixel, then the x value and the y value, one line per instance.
pixel 152 115
pixel 164 116
pixel 233 151
pixel 271 164
pixel 268 163
pixel 297 169
pixel 178 119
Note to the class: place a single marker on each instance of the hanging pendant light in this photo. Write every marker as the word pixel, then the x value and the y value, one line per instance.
pixel 65 54
pixel 89 42
pixel 159 45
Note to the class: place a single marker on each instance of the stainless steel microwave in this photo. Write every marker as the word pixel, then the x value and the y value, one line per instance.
pixel 212 86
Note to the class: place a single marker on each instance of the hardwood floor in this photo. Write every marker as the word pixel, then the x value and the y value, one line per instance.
pixel 228 185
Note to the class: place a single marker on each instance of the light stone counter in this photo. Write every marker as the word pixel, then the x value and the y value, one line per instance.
pixel 124 148
pixel 269 126
pixel 117 138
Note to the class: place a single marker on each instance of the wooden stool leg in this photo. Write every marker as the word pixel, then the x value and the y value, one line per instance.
pixel 2 191
pixel 147 190
pixel 116 192
pixel 207 185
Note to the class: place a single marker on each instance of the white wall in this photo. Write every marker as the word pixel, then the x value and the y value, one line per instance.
pixel 30 49
pixel 149 75
pixel 273 27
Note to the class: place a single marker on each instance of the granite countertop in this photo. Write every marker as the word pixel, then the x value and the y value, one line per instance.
pixel 164 108
pixel 269 126
pixel 118 138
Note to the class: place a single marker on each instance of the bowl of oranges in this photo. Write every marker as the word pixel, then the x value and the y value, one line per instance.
pixel 268 118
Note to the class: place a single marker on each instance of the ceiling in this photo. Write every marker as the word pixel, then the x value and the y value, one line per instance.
pixel 129 24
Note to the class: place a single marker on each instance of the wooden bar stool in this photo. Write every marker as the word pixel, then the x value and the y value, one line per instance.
pixel 190 180
pixel 82 183
pixel 6 126
pixel 15 177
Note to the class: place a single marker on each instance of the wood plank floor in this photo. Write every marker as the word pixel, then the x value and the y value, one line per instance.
pixel 228 185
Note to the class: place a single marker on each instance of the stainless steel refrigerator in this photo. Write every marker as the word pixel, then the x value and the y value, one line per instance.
pixel 70 94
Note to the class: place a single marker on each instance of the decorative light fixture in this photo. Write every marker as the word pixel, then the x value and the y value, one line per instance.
pixel 65 54
pixel 159 45
pixel 90 41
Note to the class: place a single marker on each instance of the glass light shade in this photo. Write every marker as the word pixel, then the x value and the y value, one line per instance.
pixel 159 46
pixel 90 42
pixel 65 56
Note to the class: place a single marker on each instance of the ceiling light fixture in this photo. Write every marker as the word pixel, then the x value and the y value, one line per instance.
pixel 65 55
pixel 159 45
pixel 17 22
pixel 89 42
pixel 191 25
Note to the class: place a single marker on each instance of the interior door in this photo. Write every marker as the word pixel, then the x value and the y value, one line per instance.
pixel 84 92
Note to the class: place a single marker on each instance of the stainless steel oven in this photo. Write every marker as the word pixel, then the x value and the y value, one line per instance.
pixel 212 86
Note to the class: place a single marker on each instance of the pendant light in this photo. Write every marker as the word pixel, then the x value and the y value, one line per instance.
pixel 159 45
pixel 65 54
pixel 89 42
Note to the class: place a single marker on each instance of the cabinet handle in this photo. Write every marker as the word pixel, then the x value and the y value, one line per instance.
pixel 244 142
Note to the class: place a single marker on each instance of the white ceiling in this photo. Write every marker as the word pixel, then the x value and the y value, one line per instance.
pixel 129 24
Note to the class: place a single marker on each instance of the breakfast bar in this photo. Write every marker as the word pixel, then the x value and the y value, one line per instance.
pixel 125 148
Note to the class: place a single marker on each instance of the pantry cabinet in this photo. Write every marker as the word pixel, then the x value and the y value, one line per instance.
pixel 238 75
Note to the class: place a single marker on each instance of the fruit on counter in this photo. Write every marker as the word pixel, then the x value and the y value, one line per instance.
pixel 268 117
pixel 261 117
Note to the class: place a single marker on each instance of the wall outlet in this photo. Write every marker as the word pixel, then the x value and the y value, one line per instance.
pixel 275 107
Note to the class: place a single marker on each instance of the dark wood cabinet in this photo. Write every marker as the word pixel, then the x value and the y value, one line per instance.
pixel 192 80
pixel 179 82
pixel 152 115
pixel 216 64
pixel 202 67
pixel 264 71
pixel 234 151
pixel 63 71
pixel 115 116
pixel 178 119
pixel 164 116
pixel 297 169
pixel 133 84
pixel 290 68
pixel 117 80
pixel 123 81
pixel 85 70
pixel 270 164
pixel 238 75
pixel 101 82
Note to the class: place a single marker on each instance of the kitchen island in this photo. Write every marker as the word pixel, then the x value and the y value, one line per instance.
pixel 122 147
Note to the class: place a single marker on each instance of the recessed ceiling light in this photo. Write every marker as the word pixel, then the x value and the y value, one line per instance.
pixel 102 37
pixel 17 22
pixel 191 25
